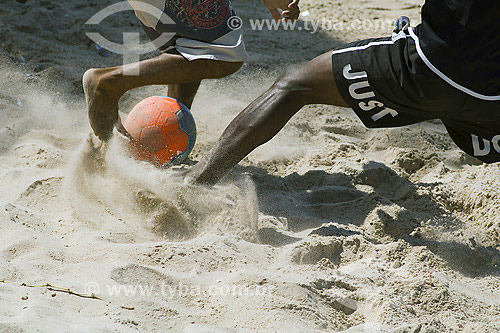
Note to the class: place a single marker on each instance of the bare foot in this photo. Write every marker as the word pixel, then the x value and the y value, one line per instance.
pixel 194 175
pixel 102 103
pixel 121 129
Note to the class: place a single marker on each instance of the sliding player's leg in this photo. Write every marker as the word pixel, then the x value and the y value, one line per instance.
pixel 300 85
pixel 104 87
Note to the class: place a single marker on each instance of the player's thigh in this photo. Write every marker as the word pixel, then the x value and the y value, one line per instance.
pixel 314 81
pixel 174 68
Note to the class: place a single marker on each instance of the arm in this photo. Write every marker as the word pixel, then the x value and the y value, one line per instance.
pixel 290 9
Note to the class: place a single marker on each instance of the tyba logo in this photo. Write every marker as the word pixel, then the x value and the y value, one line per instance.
pixel 206 14
pixel 132 49
pixel 368 103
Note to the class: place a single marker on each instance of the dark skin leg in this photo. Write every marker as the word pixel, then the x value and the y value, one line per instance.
pixel 300 85
pixel 104 87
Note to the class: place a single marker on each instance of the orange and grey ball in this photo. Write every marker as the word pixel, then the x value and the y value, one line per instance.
pixel 163 130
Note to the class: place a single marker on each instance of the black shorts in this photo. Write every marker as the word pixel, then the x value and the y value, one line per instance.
pixel 387 84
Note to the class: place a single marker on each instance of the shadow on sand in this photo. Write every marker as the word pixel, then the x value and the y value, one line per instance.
pixel 316 199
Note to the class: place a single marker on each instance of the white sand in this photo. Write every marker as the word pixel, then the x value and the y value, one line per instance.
pixel 329 227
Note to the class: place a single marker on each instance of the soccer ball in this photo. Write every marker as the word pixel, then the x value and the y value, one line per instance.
pixel 162 130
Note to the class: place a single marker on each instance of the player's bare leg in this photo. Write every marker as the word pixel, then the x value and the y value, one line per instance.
pixel 184 92
pixel 300 85
pixel 104 87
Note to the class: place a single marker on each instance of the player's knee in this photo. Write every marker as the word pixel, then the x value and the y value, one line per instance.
pixel 102 79
pixel 291 83
pixel 89 77
pixel 94 77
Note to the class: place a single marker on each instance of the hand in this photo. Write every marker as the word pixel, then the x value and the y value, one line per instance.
pixel 290 9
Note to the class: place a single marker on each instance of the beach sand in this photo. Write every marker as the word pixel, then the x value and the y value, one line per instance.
pixel 328 227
